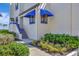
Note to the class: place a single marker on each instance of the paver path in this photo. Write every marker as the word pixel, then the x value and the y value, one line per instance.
pixel 37 52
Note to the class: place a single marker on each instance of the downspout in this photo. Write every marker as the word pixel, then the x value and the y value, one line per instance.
pixel 71 20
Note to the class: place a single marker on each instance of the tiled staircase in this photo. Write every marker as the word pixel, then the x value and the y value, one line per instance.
pixel 22 31
pixel 24 35
pixel 24 38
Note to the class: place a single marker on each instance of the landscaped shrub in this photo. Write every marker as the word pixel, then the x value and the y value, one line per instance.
pixel 58 43
pixel 34 42
pixel 65 39
pixel 13 33
pixel 4 31
pixel 5 51
pixel 10 48
pixel 57 37
pixel 19 49
pixel 61 39
pixel 7 32
pixel 14 49
pixel 7 38
pixel 52 49
pixel 43 45
pixel 62 50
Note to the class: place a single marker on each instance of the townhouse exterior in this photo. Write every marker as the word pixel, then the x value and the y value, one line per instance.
pixel 33 20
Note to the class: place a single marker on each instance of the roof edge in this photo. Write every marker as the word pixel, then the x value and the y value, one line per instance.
pixel 30 9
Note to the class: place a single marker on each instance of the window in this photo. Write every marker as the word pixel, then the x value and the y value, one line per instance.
pixel 32 20
pixel 44 19
pixel 12 19
pixel 16 6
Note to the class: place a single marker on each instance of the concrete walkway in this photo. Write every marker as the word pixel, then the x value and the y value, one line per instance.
pixel 34 51
pixel 37 52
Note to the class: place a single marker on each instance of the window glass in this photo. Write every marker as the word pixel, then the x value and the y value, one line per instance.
pixel 44 19
pixel 32 20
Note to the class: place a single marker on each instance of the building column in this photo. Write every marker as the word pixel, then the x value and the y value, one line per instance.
pixel 37 21
pixel 21 22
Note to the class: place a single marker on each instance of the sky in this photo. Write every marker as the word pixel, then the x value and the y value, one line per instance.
pixel 4 11
pixel 4 7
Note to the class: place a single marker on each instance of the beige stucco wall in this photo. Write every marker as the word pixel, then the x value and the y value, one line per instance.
pixel 31 29
pixel 61 22
pixel 42 28
pixel 65 19
pixel 75 19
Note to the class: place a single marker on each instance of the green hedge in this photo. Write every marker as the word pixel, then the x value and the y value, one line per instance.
pixel 65 39
pixel 57 43
pixel 14 49
pixel 10 48
pixel 59 38
pixel 5 39
pixel 7 32
pixel 6 36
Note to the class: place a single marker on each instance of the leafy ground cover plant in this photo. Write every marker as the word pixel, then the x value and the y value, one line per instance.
pixel 14 49
pixel 8 47
pixel 7 32
pixel 58 43
pixel 7 38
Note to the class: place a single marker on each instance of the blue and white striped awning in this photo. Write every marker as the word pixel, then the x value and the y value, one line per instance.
pixel 30 14
pixel 44 12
